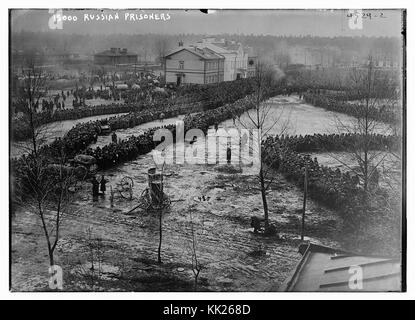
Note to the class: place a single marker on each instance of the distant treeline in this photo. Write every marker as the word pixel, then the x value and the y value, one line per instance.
pixel 146 44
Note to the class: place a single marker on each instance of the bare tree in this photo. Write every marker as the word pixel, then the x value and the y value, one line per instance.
pixel 378 93
pixel 198 261
pixel 192 244
pixel 266 119
pixel 48 188
pixel 94 252
pixel 45 183
pixel 31 89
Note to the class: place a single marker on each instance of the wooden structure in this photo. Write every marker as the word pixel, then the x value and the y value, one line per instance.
pixel 155 185
pixel 153 197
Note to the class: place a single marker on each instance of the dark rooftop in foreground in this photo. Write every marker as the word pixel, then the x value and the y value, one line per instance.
pixel 327 269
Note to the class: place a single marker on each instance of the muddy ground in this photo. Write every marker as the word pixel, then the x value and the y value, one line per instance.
pixel 217 200
pixel 235 258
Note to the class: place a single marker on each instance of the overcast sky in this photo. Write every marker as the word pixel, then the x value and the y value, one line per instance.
pixel 268 22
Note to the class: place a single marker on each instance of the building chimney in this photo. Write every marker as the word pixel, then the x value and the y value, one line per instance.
pixel 180 43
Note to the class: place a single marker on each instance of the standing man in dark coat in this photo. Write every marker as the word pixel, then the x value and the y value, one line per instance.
pixel 103 186
pixel 95 188
pixel 228 154
pixel 114 137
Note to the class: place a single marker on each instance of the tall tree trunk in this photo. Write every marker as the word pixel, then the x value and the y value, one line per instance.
pixel 51 258
pixel 32 126
pixel 365 178
pixel 196 280
pixel 161 237
pixel 264 197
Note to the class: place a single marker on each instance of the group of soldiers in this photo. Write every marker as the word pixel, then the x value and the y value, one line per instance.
pixel 205 119
pixel 82 135
pixel 338 142
pixel 329 185
pixel 57 102
pixel 98 187
pixel 381 113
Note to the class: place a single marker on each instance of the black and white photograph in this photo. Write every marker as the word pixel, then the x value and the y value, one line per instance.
pixel 207 150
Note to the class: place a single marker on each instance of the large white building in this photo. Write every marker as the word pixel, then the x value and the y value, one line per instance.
pixel 209 61
pixel 193 65
pixel 236 57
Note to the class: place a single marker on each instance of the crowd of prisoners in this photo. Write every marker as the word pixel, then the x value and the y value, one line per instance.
pixel 286 153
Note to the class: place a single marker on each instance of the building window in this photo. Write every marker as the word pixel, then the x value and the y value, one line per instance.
pixel 181 64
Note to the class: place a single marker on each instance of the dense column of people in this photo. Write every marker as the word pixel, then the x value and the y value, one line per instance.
pixel 339 142
pixel 124 150
pixel 325 184
pixel 78 138
pixel 381 113
pixel 134 100
pixel 330 186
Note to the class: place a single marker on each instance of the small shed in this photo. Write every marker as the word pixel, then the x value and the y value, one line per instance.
pixel 327 269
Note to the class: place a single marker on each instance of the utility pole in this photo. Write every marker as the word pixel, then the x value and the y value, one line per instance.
pixel 304 201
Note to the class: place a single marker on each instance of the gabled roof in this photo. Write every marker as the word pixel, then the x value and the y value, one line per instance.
pixel 203 53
